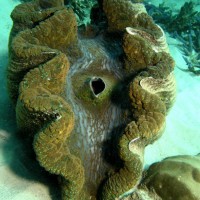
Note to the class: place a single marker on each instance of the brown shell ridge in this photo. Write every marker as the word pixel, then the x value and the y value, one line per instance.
pixel 149 112
pixel 53 120
pixel 32 47
pixel 147 54
pixel 40 65
pixel 124 13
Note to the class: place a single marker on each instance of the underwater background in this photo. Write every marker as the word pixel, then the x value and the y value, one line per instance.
pixel 21 178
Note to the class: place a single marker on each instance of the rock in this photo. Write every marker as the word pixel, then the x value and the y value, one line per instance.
pixel 175 178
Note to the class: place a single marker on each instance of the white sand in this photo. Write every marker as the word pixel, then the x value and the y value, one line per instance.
pixel 18 177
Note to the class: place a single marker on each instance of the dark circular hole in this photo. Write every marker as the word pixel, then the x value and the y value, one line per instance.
pixel 97 85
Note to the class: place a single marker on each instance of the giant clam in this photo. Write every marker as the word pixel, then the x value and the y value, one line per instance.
pixel 91 99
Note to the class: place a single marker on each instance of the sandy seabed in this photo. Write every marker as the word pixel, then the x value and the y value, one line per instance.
pixel 22 179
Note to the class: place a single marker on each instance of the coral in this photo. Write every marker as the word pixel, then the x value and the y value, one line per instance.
pixel 184 20
pixel 180 22
pixel 161 14
pixel 190 46
pixel 90 113
pixel 185 26
pixel 82 10
pixel 176 177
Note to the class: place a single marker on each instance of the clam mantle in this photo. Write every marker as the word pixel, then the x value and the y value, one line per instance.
pixel 91 99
